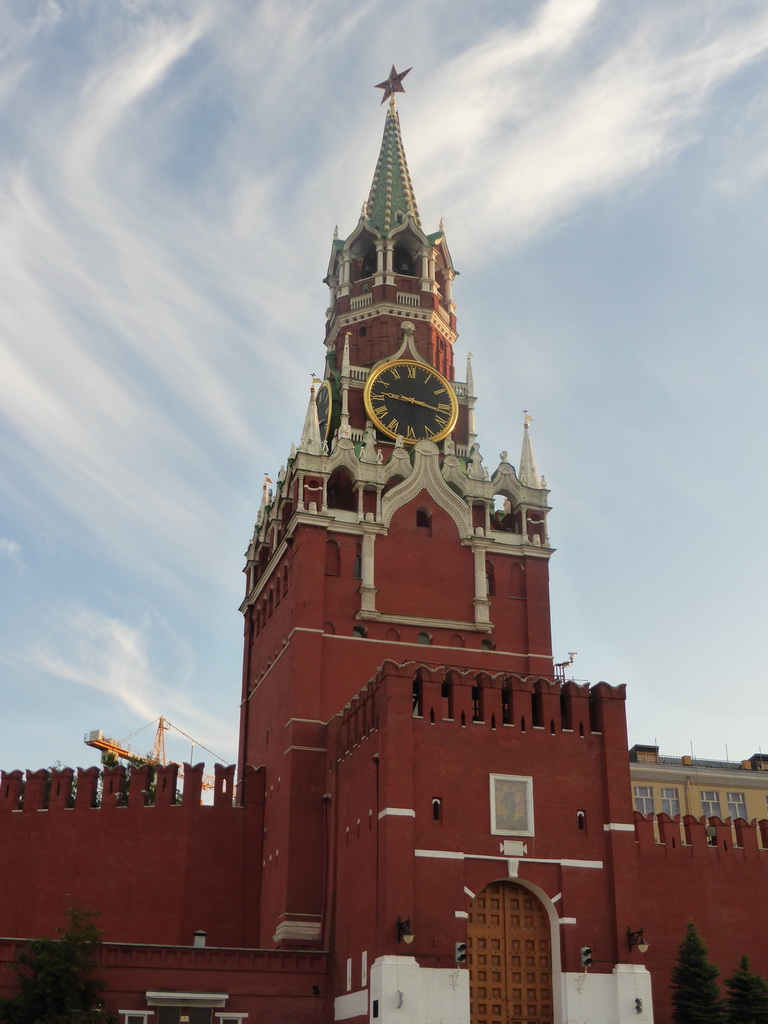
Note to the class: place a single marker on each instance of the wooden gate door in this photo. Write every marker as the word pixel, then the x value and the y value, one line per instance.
pixel 510 957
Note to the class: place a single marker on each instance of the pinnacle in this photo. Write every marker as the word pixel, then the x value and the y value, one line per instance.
pixel 528 474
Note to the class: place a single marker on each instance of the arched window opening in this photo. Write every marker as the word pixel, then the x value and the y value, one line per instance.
pixel 506 706
pixel 437 808
pixel 581 821
pixel 341 494
pixel 424 638
pixel 357 571
pixel 418 693
pixel 566 709
pixel 490 579
pixel 501 514
pixel 476 716
pixel 488 645
pixel 424 521
pixel 457 640
pixel 332 558
pixel 363 331
pixel 359 631
pixel 403 261
pixel 446 693
pixel 537 718
pixel 368 265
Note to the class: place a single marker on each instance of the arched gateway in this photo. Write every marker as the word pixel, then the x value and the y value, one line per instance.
pixel 509 953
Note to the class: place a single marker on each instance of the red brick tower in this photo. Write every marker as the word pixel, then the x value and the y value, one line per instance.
pixel 399 705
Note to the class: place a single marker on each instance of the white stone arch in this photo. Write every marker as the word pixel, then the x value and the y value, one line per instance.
pixel 426 475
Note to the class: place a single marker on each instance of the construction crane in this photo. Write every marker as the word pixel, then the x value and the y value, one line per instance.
pixel 120 749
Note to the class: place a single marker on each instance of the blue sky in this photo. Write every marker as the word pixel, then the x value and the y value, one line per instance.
pixel 170 178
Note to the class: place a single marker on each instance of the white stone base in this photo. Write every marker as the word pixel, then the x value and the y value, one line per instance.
pixel 297 931
pixel 418 995
pixel 354 1004
pixel 608 998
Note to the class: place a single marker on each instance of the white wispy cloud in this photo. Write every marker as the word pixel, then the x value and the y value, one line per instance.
pixel 573 106
pixel 144 666
pixel 12 550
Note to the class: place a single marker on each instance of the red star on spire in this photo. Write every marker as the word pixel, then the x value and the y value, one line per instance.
pixel 393 84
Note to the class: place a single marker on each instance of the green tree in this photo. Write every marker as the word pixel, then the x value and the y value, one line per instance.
pixel 747 998
pixel 695 993
pixel 55 979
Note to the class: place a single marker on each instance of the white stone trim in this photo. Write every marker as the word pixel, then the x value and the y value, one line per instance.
pixel 426 475
pixel 566 920
pixel 296 746
pixel 398 812
pixel 212 999
pixel 456 855
pixel 301 931
pixel 412 620
pixel 354 1004
pixel 408 620
pixel 620 826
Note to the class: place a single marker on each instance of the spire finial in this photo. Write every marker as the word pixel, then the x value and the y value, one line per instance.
pixel 528 473
pixel 392 85
pixel 391 200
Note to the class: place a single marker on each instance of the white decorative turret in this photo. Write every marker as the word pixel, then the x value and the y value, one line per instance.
pixel 264 502
pixel 471 431
pixel 344 430
pixel 528 474
pixel 310 435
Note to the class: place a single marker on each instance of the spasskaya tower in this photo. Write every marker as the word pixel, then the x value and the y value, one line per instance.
pixel 387 544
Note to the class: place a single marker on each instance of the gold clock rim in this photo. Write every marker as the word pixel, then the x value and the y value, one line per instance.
pixel 374 375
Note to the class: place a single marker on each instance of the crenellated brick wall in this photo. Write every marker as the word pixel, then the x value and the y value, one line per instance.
pixel 155 868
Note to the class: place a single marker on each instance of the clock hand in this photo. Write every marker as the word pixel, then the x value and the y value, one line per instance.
pixel 407 398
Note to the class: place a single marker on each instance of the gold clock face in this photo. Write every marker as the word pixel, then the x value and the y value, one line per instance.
pixel 410 400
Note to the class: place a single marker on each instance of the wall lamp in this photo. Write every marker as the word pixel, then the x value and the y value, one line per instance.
pixel 637 939
pixel 404 933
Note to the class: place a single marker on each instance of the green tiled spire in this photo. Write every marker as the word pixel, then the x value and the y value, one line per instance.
pixel 391 190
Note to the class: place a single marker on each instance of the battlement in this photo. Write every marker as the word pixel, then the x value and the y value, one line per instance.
pixel 438 694
pixel 111 789
pixel 689 836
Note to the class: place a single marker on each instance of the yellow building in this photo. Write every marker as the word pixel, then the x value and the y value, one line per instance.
pixel 698 786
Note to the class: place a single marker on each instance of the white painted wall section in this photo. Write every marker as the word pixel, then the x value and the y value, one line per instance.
pixel 418 995
pixel 608 998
